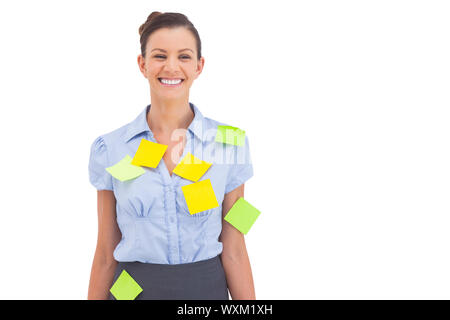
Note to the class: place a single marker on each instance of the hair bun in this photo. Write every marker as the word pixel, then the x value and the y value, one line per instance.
pixel 151 17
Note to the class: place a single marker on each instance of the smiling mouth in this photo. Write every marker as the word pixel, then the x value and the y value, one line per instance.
pixel 169 84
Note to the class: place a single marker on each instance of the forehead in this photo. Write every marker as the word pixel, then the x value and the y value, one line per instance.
pixel 171 39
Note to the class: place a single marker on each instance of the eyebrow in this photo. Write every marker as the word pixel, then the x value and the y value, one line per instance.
pixel 166 51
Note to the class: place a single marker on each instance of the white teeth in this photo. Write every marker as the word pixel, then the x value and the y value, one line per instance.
pixel 170 81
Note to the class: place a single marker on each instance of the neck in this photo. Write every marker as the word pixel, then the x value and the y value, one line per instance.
pixel 166 116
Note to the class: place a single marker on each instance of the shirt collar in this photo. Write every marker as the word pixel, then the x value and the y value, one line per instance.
pixel 140 124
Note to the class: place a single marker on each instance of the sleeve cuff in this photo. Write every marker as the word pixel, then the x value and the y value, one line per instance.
pixel 238 181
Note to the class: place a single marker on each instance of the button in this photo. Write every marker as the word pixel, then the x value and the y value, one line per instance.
pixel 172 220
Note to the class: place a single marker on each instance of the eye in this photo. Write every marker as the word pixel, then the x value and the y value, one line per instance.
pixel 162 57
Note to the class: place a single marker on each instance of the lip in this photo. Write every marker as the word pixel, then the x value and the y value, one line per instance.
pixel 171 85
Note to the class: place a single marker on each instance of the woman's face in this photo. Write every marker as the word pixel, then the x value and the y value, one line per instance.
pixel 172 63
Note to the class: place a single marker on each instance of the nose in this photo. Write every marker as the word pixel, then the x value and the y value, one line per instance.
pixel 171 64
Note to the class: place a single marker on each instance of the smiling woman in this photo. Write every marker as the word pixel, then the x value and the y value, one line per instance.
pixel 147 228
pixel 170 57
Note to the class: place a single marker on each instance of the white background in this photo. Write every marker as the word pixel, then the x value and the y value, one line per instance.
pixel 346 105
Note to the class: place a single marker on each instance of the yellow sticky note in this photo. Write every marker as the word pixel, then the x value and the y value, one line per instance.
pixel 149 154
pixel 199 196
pixel 124 170
pixel 191 167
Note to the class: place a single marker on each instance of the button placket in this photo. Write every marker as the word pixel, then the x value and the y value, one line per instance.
pixel 187 148
pixel 173 228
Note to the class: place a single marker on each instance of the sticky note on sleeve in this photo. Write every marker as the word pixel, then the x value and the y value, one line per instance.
pixel 124 170
pixel 125 287
pixel 230 135
pixel 149 154
pixel 242 215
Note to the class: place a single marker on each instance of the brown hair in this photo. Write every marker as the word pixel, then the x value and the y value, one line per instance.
pixel 157 20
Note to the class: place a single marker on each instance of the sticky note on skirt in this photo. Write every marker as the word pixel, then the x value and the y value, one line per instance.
pixel 125 287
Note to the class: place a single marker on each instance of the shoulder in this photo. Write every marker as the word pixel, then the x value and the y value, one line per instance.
pixel 111 138
pixel 107 146
pixel 212 125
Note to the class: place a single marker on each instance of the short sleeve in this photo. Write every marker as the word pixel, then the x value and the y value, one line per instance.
pixel 241 168
pixel 98 162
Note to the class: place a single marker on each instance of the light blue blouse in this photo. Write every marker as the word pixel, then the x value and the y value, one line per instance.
pixel 151 210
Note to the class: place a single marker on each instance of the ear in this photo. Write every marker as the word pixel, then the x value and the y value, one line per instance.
pixel 141 64
pixel 200 65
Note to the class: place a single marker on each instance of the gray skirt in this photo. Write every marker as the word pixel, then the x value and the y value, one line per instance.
pixel 201 280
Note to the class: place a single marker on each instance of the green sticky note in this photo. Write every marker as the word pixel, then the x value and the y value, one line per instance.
pixel 230 135
pixel 124 170
pixel 125 287
pixel 242 215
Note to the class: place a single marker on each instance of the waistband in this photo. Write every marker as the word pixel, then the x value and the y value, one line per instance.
pixel 157 266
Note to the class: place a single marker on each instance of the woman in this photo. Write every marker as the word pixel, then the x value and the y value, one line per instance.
pixel 144 224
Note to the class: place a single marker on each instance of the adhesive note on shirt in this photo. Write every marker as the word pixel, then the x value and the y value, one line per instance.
pixel 124 170
pixel 149 154
pixel 199 196
pixel 125 287
pixel 191 167
pixel 230 135
pixel 242 215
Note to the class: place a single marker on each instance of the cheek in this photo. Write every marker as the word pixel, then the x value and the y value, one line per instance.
pixel 151 68
pixel 150 71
